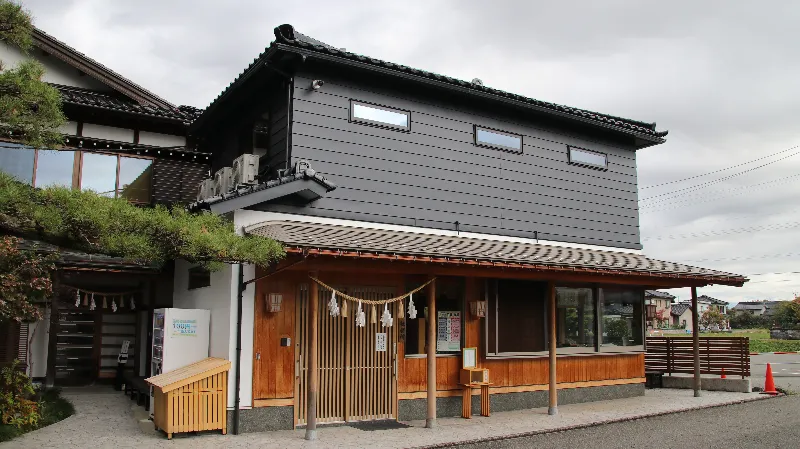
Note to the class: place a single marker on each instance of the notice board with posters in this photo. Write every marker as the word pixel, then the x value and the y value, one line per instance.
pixel 448 333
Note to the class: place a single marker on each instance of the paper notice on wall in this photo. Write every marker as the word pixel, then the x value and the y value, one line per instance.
pixel 184 328
pixel 448 335
pixel 380 342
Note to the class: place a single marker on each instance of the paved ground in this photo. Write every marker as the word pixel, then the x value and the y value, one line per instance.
pixel 774 424
pixel 105 420
pixel 785 370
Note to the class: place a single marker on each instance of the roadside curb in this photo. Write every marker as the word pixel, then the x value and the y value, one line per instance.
pixel 757 397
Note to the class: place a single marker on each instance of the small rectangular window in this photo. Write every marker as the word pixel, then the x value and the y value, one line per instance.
pixel 199 277
pixel 379 115
pixel 502 140
pixel 579 156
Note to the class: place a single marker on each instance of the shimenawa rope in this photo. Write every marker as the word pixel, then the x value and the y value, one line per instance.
pixel 369 301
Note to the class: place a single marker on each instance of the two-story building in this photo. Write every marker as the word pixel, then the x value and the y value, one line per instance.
pixel 378 178
pixel 682 313
pixel 659 307
pixel 121 141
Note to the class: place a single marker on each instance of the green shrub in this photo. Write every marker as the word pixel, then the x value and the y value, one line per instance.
pixel 774 345
pixel 17 407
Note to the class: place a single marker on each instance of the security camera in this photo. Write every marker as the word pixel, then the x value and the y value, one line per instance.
pixel 316 84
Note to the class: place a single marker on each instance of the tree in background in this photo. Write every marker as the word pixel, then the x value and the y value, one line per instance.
pixel 745 320
pixel 662 318
pixel 30 109
pixel 788 314
pixel 712 317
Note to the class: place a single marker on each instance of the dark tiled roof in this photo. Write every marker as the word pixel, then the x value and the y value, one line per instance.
pixel 678 309
pixel 526 255
pixel 85 97
pixel 658 294
pixel 75 258
pixel 712 300
pixel 306 174
pixel 288 36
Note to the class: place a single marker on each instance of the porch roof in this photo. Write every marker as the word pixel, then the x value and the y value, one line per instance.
pixel 338 240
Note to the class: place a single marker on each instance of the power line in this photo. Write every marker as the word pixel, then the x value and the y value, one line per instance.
pixel 717 171
pixel 716 181
pixel 737 259
pixel 772 227
pixel 692 198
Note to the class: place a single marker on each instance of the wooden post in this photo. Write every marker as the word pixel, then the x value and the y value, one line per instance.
pixel 696 341
pixel 52 331
pixel 313 362
pixel 430 421
pixel 551 299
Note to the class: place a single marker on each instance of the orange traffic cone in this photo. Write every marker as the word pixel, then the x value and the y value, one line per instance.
pixel 723 376
pixel 769 384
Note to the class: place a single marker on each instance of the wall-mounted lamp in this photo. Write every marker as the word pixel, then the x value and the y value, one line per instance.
pixel 274 301
pixel 317 84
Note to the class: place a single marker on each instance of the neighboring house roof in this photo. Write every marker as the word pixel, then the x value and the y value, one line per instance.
pixel 658 294
pixel 328 239
pixel 70 258
pixel 303 185
pixel 678 309
pixel 619 310
pixel 710 300
pixel 289 40
pixel 102 100
pixel 750 305
pixel 98 71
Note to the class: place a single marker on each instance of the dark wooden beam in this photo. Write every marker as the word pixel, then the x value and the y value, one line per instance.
pixel 696 342
pixel 552 408
pixel 313 362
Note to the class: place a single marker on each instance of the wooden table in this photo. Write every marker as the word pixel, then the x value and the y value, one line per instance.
pixel 466 400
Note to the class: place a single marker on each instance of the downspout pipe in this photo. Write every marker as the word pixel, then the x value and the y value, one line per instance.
pixel 238 374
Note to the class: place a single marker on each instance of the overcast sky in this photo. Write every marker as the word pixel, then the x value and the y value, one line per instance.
pixel 722 78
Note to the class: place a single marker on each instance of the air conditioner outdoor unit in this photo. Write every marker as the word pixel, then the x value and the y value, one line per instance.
pixel 245 169
pixel 223 181
pixel 205 189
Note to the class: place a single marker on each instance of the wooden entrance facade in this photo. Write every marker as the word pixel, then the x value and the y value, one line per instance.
pixel 357 366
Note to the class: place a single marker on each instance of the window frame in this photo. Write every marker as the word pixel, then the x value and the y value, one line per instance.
pixel 490 288
pixel 478 143
pixel 375 123
pixel 421 304
pixel 570 148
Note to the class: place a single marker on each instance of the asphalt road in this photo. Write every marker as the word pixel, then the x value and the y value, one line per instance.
pixel 771 423
pixel 785 370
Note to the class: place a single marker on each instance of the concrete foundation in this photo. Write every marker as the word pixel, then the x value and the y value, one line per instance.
pixel 415 409
pixel 263 419
pixel 735 385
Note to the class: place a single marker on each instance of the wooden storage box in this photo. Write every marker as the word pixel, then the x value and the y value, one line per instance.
pixel 192 398
pixel 474 376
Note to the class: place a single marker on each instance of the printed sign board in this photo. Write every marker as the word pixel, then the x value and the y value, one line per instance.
pixel 184 328
pixel 448 335
pixel 380 342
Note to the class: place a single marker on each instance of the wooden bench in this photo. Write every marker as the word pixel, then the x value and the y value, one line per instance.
pixel 138 389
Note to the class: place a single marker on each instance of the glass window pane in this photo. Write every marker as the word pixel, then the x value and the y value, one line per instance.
pixel 374 114
pixel 17 161
pixel 449 317
pixel 575 322
pixel 622 317
pixel 487 137
pixel 578 156
pixel 99 173
pixel 135 176
pixel 54 168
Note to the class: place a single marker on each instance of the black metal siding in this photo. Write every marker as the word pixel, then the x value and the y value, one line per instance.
pixel 434 175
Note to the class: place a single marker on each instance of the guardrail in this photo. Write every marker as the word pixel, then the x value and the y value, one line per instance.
pixel 672 355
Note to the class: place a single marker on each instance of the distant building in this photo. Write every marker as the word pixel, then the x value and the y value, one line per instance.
pixel 657 303
pixel 681 313
pixel 756 308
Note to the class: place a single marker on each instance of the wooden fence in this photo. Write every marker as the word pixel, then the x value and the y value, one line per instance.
pixel 676 355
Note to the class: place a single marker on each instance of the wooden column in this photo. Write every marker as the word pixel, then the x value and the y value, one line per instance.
pixel 430 421
pixel 551 300
pixel 313 360
pixel 52 331
pixel 696 342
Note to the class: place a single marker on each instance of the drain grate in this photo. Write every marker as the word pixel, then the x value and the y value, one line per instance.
pixel 386 424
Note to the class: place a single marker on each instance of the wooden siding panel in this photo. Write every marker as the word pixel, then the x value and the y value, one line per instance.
pixel 434 175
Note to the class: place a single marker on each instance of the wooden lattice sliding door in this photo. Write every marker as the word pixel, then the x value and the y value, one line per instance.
pixel 356 381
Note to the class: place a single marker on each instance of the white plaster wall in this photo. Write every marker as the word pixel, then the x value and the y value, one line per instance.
pixel 161 140
pixel 69 128
pixel 108 132
pixel 56 71
pixel 38 338
pixel 248 319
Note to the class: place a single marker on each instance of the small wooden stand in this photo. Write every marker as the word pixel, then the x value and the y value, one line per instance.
pixel 466 401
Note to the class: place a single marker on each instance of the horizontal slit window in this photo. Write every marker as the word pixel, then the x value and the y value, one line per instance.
pixel 579 156
pixel 379 115
pixel 497 139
